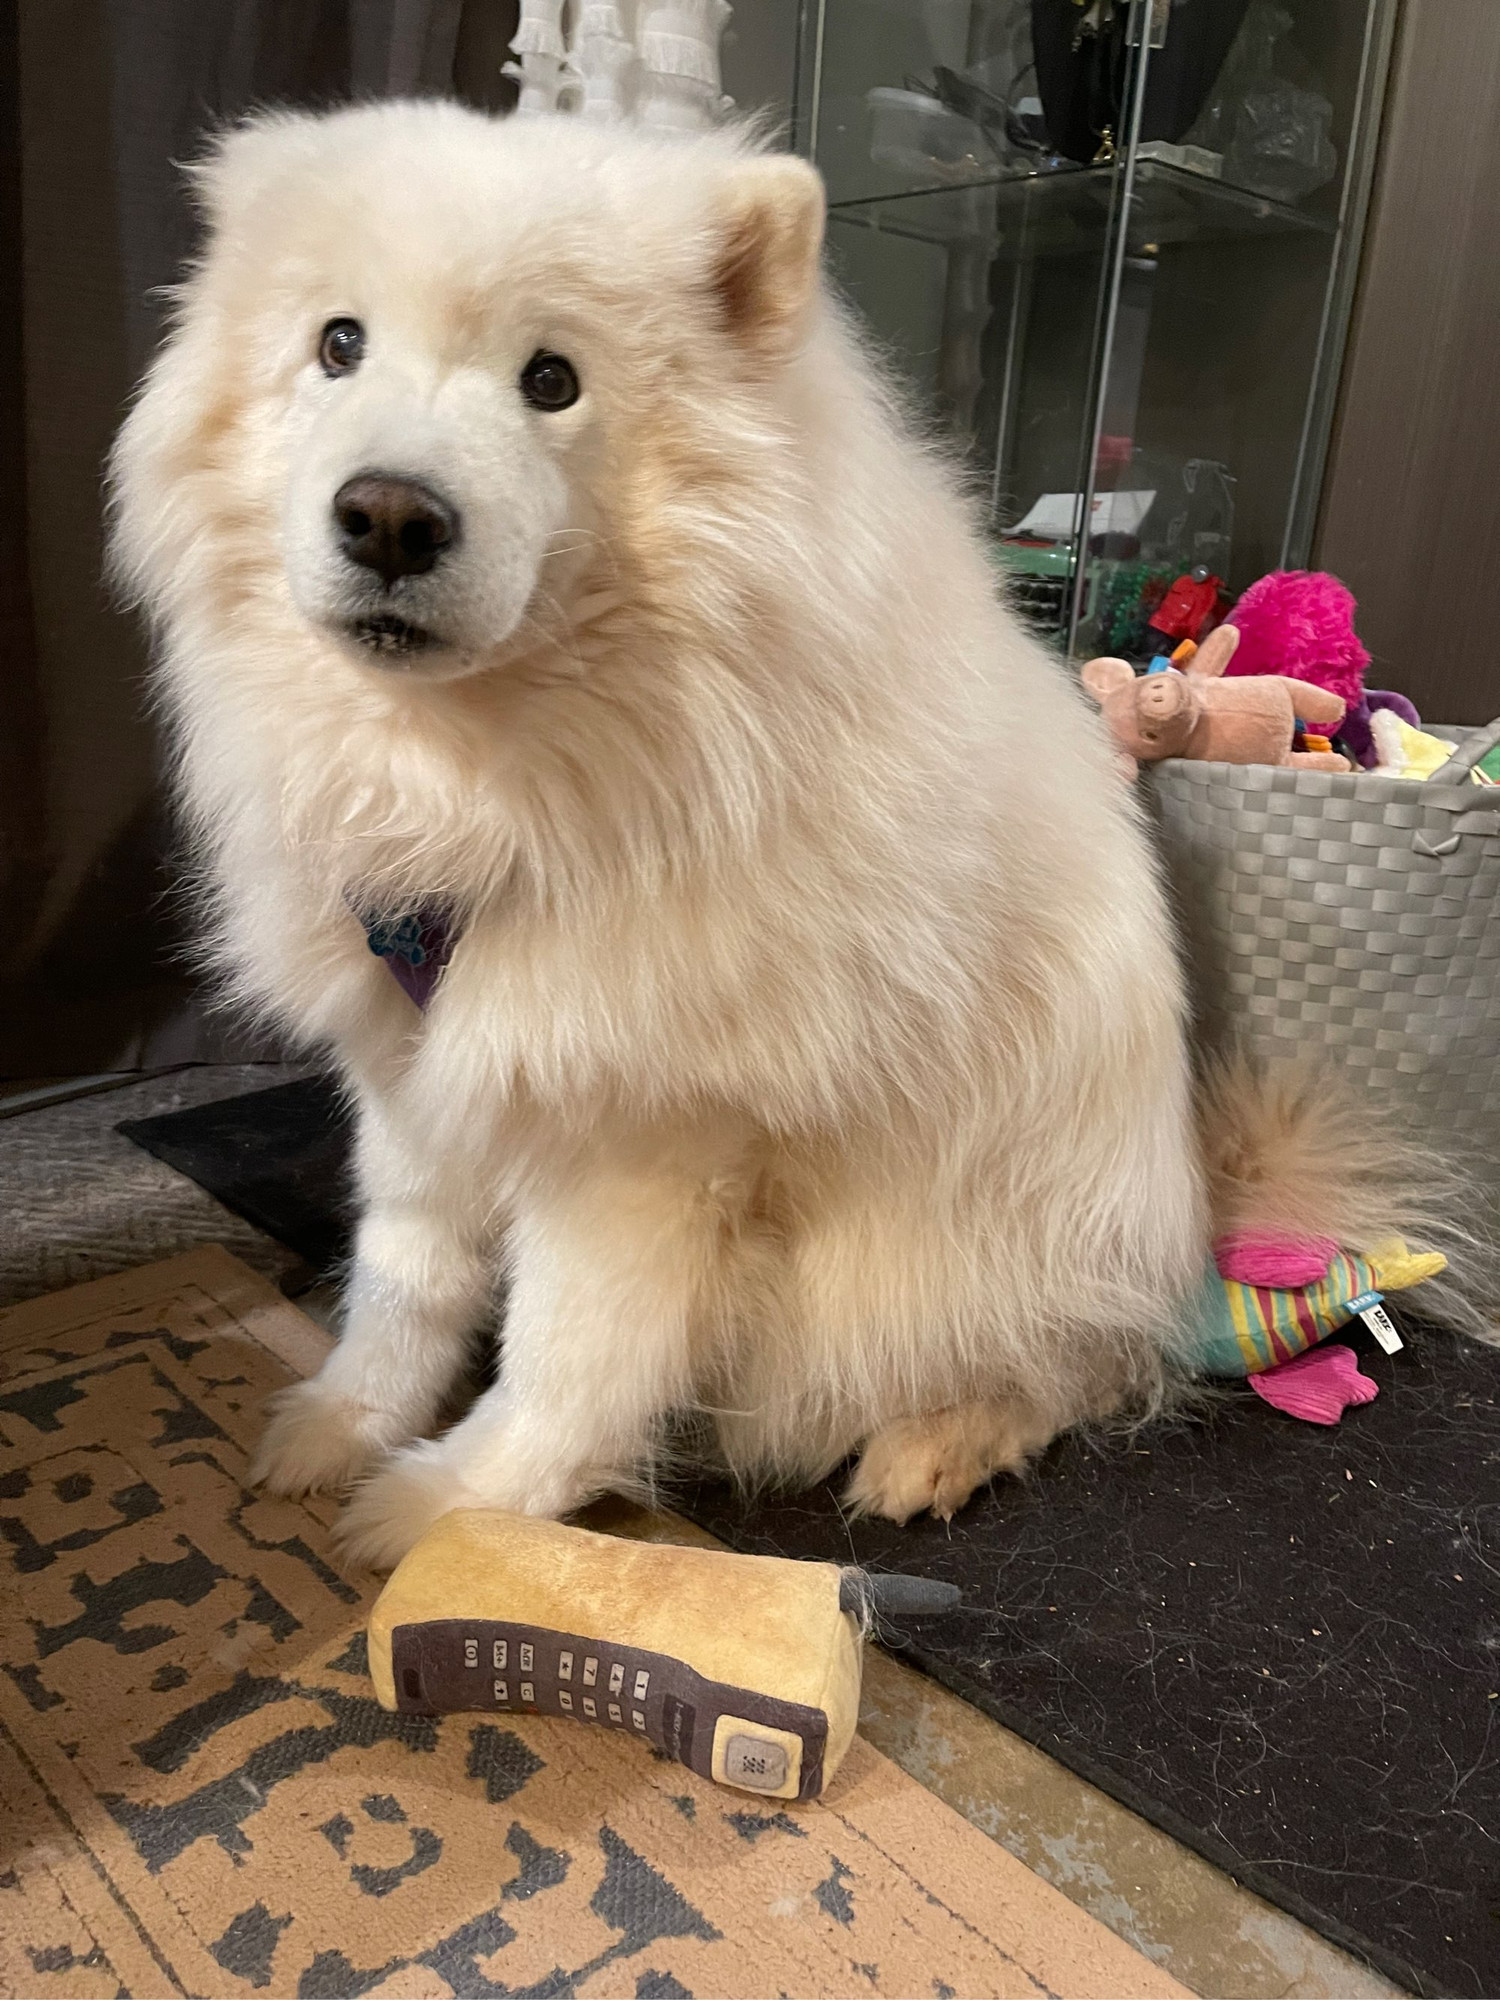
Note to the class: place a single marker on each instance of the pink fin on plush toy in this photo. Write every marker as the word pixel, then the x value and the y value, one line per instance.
pixel 1318 1386
pixel 1266 1257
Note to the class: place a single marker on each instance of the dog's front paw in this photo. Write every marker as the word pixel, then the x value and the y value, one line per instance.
pixel 315 1441
pixel 395 1506
pixel 391 1510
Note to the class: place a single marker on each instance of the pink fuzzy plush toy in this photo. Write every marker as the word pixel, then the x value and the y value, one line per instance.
pixel 1300 623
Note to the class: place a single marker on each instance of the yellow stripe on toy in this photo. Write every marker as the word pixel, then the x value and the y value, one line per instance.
pixel 1235 1296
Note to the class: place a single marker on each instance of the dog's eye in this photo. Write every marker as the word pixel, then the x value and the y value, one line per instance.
pixel 548 382
pixel 342 346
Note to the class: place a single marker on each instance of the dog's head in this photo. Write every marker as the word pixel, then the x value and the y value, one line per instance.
pixel 434 370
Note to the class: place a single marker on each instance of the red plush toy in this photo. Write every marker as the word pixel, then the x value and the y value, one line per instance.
pixel 1189 607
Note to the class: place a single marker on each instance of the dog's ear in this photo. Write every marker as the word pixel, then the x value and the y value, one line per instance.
pixel 769 221
pixel 241 160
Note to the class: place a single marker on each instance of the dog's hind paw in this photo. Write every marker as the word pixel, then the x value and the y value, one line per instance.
pixel 315 1442
pixel 935 1464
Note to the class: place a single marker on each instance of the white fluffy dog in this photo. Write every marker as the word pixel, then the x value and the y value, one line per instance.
pixel 530 539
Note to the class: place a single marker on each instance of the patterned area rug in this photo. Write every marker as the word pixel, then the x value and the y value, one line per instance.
pixel 199 1794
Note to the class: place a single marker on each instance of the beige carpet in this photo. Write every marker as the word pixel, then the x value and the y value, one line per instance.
pixel 199 1795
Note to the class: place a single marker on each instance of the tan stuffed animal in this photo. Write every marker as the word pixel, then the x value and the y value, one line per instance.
pixel 1195 713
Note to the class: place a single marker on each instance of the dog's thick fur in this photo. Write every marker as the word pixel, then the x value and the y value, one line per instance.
pixel 812 1054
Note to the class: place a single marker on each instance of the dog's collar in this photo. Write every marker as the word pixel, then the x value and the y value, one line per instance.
pixel 416 946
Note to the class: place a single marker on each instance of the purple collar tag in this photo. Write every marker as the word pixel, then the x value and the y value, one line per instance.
pixel 415 947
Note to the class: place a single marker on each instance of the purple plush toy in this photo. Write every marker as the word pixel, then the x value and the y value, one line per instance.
pixel 1300 622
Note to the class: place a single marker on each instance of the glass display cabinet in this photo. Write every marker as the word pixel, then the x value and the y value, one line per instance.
pixel 1111 244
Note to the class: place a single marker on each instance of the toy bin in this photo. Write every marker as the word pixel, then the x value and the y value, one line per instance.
pixel 1350 916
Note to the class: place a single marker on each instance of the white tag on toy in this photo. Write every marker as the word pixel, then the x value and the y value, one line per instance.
pixel 1379 1321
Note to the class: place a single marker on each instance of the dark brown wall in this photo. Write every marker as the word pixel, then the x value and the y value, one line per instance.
pixel 97 99
pixel 1411 508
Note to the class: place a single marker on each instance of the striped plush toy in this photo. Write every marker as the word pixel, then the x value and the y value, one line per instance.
pixel 1267 1304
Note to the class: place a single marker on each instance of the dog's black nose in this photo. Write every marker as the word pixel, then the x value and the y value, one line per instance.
pixel 396 526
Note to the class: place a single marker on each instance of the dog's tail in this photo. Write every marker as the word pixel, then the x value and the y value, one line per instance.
pixel 1297 1150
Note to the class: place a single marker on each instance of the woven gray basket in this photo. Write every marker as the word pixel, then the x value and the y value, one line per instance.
pixel 1349 916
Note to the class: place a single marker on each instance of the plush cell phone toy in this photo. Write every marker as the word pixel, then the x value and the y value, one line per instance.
pixel 744 1668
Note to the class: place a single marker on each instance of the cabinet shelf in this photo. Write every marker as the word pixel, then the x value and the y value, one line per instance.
pixel 1181 346
pixel 1067 210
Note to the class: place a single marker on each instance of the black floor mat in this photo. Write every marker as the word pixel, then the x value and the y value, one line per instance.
pixel 1280 1643
pixel 277 1157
